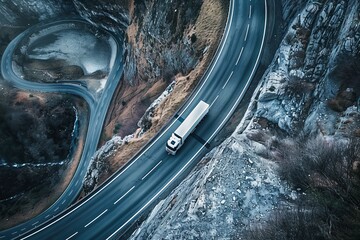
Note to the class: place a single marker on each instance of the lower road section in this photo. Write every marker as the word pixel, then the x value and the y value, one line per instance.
pixel 115 206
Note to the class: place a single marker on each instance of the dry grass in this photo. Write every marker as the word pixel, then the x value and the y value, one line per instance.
pixel 208 29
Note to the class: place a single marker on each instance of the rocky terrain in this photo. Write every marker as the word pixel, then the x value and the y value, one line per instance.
pixel 166 52
pixel 304 106
pixel 38 142
pixel 194 29
pixel 296 147
pixel 164 39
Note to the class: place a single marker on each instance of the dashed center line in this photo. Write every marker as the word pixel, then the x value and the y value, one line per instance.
pixel 70 192
pixel 56 209
pixel 72 235
pixel 237 61
pixel 214 100
pixel 247 31
pixel 63 201
pixel 96 218
pixel 228 79
pixel 47 216
pixel 23 229
pixel 250 12
pixel 124 195
pixel 14 233
pixel 35 223
pixel 151 170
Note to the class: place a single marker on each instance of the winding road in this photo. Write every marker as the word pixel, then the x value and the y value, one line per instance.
pixel 112 208
pixel 98 107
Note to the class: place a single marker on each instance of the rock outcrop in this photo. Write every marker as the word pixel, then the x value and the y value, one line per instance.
pixel 310 88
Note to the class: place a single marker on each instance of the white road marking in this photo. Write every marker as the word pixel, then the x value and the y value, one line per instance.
pixel 72 235
pixel 124 195
pixel 214 101
pixel 96 218
pixel 23 229
pixel 1 237
pixel 47 216
pixel 219 127
pixel 247 31
pixel 250 12
pixel 70 192
pixel 228 80
pixel 14 233
pixel 237 61
pixel 77 182
pixel 63 201
pixel 151 170
pixel 228 21
pixel 35 223
pixel 56 209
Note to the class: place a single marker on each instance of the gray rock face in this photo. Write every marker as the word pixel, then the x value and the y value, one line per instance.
pixel 23 12
pixel 234 189
pixel 302 76
pixel 311 86
pixel 109 15
pixel 161 48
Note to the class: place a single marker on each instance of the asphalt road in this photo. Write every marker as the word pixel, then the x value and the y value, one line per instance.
pixel 98 108
pixel 109 211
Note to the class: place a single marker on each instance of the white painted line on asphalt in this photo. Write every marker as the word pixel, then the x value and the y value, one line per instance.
pixel 72 235
pixel 250 12
pixel 124 195
pixel 237 61
pixel 23 229
pixel 56 209
pixel 76 182
pixel 63 202
pixel 228 21
pixel 214 101
pixel 247 31
pixel 220 126
pixel 228 80
pixel 70 192
pixel 13 233
pixel 96 218
pixel 151 170
pixel 47 216
pixel 1 237
pixel 35 223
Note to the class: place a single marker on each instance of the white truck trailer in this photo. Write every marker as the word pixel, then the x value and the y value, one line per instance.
pixel 178 138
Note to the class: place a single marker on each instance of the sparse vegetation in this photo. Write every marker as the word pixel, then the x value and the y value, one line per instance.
pixel 326 175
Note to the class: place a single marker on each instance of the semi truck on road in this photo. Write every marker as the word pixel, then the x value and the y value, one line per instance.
pixel 178 137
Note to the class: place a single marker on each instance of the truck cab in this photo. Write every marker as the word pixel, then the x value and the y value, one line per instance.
pixel 173 144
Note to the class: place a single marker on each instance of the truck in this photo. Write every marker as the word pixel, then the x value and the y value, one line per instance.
pixel 178 137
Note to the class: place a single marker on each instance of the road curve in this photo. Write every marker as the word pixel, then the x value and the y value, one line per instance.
pixel 98 108
pixel 111 209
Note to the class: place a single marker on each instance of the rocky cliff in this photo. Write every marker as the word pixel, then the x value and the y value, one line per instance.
pixel 308 92
pixel 169 45
pixel 26 12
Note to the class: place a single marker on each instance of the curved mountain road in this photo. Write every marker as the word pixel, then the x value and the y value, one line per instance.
pixel 112 208
pixel 98 108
